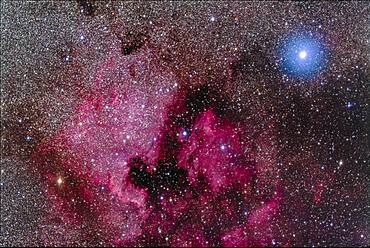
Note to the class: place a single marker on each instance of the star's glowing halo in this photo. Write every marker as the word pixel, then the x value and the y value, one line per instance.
pixel 302 55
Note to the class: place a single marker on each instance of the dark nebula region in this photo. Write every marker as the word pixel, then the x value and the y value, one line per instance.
pixel 170 138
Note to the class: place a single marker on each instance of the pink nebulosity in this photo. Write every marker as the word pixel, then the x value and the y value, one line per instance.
pixel 213 151
pixel 125 116
pixel 121 118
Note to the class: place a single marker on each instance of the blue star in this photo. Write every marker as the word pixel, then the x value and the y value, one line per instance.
pixel 302 55
pixel 184 134
pixel 349 104
pixel 67 58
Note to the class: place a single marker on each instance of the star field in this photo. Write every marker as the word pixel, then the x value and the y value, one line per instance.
pixel 180 124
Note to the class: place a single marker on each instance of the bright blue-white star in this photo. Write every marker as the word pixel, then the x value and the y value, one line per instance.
pixel 302 56
pixel 349 104
pixel 184 134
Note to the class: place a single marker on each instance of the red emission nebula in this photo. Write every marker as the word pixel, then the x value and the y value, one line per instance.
pixel 184 124
pixel 189 179
pixel 152 157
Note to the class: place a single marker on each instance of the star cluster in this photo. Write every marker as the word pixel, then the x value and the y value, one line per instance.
pixel 184 124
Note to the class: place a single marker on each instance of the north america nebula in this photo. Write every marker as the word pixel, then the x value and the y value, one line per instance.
pixel 185 124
